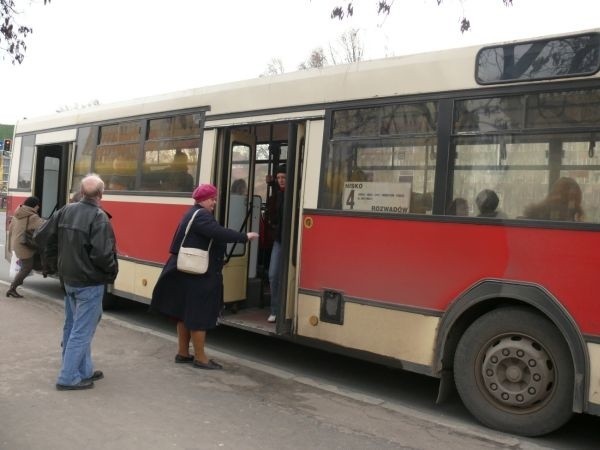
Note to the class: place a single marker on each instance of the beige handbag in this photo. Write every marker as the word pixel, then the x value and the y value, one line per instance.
pixel 192 260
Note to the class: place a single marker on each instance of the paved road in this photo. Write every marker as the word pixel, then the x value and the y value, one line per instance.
pixel 146 401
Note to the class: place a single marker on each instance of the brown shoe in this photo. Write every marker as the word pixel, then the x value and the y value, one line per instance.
pixel 180 359
pixel 210 365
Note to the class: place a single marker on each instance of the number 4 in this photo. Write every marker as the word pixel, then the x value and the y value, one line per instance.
pixel 350 199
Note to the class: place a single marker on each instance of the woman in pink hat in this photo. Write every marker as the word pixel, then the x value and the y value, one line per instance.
pixel 193 300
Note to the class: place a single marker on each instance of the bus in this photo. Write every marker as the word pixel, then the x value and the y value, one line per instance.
pixel 441 214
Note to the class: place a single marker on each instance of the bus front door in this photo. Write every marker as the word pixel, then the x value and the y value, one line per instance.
pixel 51 168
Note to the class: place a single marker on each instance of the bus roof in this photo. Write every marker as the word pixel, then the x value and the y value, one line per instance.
pixel 439 71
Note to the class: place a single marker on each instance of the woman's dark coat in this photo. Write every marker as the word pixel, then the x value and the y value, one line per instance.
pixel 196 300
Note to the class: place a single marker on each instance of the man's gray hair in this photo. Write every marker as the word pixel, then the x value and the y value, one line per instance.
pixel 92 186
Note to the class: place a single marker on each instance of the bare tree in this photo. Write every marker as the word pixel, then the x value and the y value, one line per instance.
pixel 12 34
pixel 349 49
pixel 274 67
pixel 385 7
pixel 316 60
pixel 351 46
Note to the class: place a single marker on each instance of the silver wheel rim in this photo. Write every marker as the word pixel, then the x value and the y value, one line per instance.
pixel 517 373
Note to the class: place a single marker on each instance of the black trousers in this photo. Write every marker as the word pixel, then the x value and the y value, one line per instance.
pixel 26 268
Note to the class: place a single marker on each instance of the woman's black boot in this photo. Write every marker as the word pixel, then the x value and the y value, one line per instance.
pixel 13 293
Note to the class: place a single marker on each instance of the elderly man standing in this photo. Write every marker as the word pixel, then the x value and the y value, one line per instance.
pixel 85 242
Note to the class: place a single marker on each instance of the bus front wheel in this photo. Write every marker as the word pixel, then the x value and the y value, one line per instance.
pixel 514 372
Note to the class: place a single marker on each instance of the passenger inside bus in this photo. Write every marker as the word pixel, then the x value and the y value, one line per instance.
pixel 176 177
pixel 239 187
pixel 458 207
pixel 265 186
pixel 487 201
pixel 120 180
pixel 359 175
pixel 335 183
pixel 276 222
pixel 421 203
pixel 563 202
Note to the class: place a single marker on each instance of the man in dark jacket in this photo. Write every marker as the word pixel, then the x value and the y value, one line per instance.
pixel 83 237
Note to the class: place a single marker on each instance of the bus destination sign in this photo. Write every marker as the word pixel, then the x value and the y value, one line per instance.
pixel 377 197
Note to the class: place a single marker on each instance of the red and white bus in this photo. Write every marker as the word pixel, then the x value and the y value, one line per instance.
pixel 442 212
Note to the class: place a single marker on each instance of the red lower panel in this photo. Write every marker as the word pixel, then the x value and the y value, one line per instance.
pixel 428 264
pixel 143 230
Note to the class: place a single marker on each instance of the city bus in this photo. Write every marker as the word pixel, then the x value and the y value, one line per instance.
pixel 441 213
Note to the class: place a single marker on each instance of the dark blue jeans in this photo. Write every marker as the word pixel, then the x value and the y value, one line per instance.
pixel 274 274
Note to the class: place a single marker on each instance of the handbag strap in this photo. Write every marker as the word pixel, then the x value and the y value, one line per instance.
pixel 187 229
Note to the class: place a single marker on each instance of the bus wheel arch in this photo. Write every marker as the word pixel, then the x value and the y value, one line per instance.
pixel 491 295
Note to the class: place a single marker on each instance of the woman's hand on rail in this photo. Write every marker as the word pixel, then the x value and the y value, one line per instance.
pixel 252 235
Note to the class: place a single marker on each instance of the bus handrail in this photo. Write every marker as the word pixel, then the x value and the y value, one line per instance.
pixel 228 257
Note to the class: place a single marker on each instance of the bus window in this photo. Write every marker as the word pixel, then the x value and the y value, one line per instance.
pixel 261 170
pixel 117 165
pixel 385 176
pixel 371 167
pixel 116 155
pixel 170 161
pixel 240 169
pixel 83 156
pixel 521 172
pixel 238 193
pixel 523 169
pixel 26 162
pixel 538 60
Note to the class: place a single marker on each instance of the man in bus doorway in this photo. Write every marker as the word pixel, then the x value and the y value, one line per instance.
pixel 275 263
pixel 83 238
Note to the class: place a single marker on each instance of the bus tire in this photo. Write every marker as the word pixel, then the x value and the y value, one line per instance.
pixel 514 372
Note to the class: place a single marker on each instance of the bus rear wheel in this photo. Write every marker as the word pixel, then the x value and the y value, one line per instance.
pixel 514 372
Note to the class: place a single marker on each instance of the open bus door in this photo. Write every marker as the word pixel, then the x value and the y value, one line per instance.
pixel 51 170
pixel 289 232
pixel 242 214
pixel 246 166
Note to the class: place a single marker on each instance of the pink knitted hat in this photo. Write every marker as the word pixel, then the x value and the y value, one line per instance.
pixel 204 192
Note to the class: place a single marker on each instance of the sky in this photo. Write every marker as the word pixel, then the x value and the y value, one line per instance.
pixel 112 50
